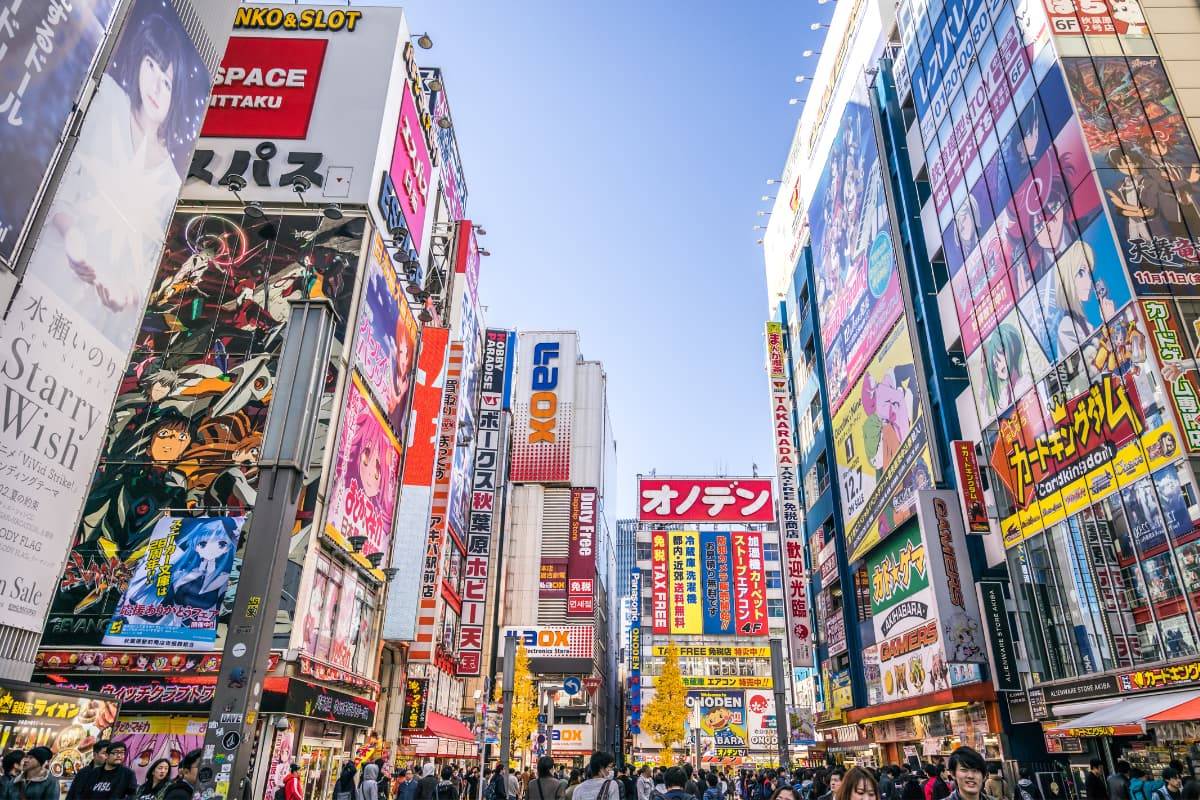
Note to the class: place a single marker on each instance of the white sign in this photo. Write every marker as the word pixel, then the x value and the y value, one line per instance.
pixel 543 407
pixel 571 738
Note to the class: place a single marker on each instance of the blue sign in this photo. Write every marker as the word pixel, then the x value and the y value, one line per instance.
pixel 572 685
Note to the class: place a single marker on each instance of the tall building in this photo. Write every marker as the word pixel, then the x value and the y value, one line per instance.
pixel 626 553
pixel 560 585
pixel 988 214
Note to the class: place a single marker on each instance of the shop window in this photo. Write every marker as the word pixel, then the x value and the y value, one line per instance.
pixel 774 579
pixel 774 607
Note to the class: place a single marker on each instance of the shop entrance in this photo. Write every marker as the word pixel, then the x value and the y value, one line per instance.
pixel 317 770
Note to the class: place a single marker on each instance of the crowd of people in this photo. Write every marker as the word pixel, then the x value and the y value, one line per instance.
pixel 27 776
pixel 1131 783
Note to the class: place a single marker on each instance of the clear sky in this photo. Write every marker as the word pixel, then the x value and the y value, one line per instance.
pixel 616 153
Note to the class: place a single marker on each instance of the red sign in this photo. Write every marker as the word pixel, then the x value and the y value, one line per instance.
pixel 658 581
pixel 591 683
pixel 265 87
pixel 706 500
pixel 749 586
pixel 969 487
pixel 581 557
pixel 426 407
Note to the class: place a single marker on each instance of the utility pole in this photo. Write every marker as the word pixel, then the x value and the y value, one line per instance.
pixel 510 663
pixel 286 453
pixel 781 717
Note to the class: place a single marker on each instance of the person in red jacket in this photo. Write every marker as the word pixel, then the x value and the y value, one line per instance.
pixel 291 784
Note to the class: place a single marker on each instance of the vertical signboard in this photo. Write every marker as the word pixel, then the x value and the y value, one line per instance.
pixel 791 520
pixel 487 484
pixel 581 553
pixel 684 572
pixel 635 652
pixel 552 579
pixel 543 408
pixel 660 582
pixel 717 559
pixel 970 487
pixel 749 584
pixel 411 167
pixel 1006 673
pixel 416 704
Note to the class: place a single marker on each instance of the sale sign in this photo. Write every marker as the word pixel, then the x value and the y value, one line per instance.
pixel 749 585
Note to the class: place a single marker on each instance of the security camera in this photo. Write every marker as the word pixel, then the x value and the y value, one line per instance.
pixel 301 184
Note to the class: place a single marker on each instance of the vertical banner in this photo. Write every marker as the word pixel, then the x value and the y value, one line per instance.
pixel 686 612
pixel 416 702
pixel 718 583
pixel 970 488
pixel 1006 673
pixel 487 481
pixel 542 409
pixel 791 521
pixel 749 585
pixel 1176 357
pixel 635 652
pixel 581 555
pixel 659 580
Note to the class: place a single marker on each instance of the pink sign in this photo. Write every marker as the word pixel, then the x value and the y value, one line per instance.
pixel 411 167
pixel 363 492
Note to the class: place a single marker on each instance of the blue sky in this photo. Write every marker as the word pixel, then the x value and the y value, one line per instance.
pixel 616 154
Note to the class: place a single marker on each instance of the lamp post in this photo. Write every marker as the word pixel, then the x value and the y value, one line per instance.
pixel 510 663
pixel 781 718
pixel 286 453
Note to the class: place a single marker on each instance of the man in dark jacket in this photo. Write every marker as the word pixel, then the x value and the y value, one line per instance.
pixel 187 783
pixel 113 781
pixel 1095 787
pixel 676 780
pixel 36 781
pixel 83 778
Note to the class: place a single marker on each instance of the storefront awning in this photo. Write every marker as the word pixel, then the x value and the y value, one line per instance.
pixel 1125 718
pixel 447 728
pixel 1187 711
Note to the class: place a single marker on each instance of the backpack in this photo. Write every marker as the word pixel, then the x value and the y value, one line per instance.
pixel 280 793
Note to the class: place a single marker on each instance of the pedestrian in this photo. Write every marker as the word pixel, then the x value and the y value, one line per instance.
pixel 158 778
pixel 35 781
pixel 343 787
pixel 936 787
pixel 996 786
pixel 186 785
pixel 575 779
pixel 887 783
pixel 913 788
pixel 113 781
pixel 382 779
pixel 445 788
pixel 546 786
pixel 967 769
pixel 1028 790
pixel 785 792
pixel 427 784
pixel 1118 782
pixel 1095 787
pixel 83 778
pixel 644 783
pixel 835 783
pixel 857 784
pixel 11 769
pixel 1172 788
pixel 405 786
pixel 368 787
pixel 713 788
pixel 600 784
pixel 674 784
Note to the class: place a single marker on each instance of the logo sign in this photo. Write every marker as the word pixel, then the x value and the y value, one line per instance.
pixel 411 167
pixel 271 18
pixel 970 489
pixel 1006 676
pixel 416 701
pixel 568 641
pixel 552 578
pixel 264 89
pixel 736 500
pixel 542 416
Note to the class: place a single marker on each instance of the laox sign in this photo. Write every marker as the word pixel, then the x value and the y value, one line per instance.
pixel 543 404
pixel 543 638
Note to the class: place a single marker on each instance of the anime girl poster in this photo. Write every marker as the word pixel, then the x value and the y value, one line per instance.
pixel 385 344
pixel 363 489
pixel 175 592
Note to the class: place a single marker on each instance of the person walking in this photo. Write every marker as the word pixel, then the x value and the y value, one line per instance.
pixel 158 779
pixel 1095 787
pixel 575 779
pixel 445 789
pixel 9 772
pixel 83 778
pixel 35 781
pixel 546 786
pixel 967 769
pixel 292 790
pixel 713 792
pixel 644 783
pixel 343 787
pixel 113 781
pixel 996 787
pixel 1172 788
pixel 368 787
pixel 1118 782
pixel 600 784
pixel 427 784
pixel 186 785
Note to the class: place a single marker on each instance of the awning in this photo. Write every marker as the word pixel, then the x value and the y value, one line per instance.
pixel 1187 711
pixel 447 727
pixel 1126 718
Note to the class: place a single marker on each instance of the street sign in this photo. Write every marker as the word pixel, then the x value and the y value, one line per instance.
pixel 542 719
pixel 591 684
pixel 572 685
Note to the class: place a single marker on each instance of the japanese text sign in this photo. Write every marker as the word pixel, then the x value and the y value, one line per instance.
pixel 749 583
pixel 581 554
pixel 706 500
pixel 416 701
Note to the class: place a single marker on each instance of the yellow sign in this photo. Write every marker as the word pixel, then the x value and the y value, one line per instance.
pixel 275 19
pixel 710 652
pixel 731 682
pixel 683 571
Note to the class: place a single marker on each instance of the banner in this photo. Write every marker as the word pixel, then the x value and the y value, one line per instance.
pixel 659 582
pixel 552 579
pixel 901 597
pixel 176 590
pixel 363 486
pixel 717 558
pixel 705 500
pixel 1174 350
pixel 581 553
pixel 67 722
pixel 634 708
pixel 970 486
pixel 1006 673
pixel 416 702
pixel 881 446
pixel 684 563
pixel 543 407
pixel 762 732
pixel 716 651
pixel 722 716
pixel 749 584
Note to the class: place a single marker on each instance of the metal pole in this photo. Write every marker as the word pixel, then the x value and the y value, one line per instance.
pixel 781 718
pixel 510 663
pixel 550 723
pixel 487 685
pixel 286 454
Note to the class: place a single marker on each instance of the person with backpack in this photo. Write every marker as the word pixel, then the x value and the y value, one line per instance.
pixel 600 784
pixel 1172 788
pixel 368 787
pixel 445 788
pixel 546 786
pixel 343 787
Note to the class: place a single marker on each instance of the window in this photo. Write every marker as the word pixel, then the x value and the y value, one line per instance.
pixel 770 551
pixel 643 551
pixel 774 607
pixel 774 579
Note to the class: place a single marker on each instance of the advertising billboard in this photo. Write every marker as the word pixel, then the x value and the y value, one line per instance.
pixel 761 730
pixel 554 642
pixel 660 582
pixel 411 168
pixel 749 583
pixel 416 704
pixel 881 446
pixel 50 49
pixel 970 486
pixel 901 596
pixel 717 558
pixel 363 486
pixel 734 500
pixel 581 552
pixel 176 589
pixel 193 397
pixel 67 722
pixel 634 695
pixel 1096 17
pixel 552 579
pixel 544 398
pixel 683 564
pixel 1174 349
pixel 722 716
pixel 263 89
pixel 66 343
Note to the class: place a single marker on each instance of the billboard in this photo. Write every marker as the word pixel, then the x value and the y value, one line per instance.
pixel 722 716
pixel 1174 349
pixel 660 582
pixel 683 564
pixel 552 579
pixel 761 730
pixel 544 397
pixel 1096 17
pixel 970 486
pixel 715 651
pixel 898 572
pixel 749 583
pixel 385 345
pixel 411 168
pixel 364 484
pixel 717 558
pixel 634 695
pixel 581 552
pixel 265 90
pixel 66 721
pixel 554 642
pixel 51 49
pixel 175 591
pixel 416 704
pixel 881 446
pixel 66 342
pixel 735 500
pixel 194 394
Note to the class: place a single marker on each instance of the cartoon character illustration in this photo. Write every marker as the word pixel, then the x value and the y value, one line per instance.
pixel 1005 374
pixel 963 638
pixel 889 404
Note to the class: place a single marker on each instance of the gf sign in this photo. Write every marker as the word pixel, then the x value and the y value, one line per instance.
pixel 543 403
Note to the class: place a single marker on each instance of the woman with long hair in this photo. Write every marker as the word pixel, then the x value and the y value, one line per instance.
pixel 158 778
pixel 858 784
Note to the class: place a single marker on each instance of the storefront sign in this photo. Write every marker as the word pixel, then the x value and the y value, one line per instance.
pixel 544 399
pixel 716 652
pixel 306 699
pixel 1006 675
pixel 1071 691
pixel 749 583
pixel 416 700
pixel 717 562
pixel 730 500
pixel 660 582
pixel 970 488
pixel 175 695
pixel 1173 351
pixel 634 708
pixel 264 90
pixel 552 579
pixel 581 559
pixel 567 641
pixel 66 721
pixel 732 682
pixel 273 18
pixel 1056 745
pixel 1159 677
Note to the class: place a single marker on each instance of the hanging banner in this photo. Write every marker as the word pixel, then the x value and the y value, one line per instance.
pixel 722 716
pixel 717 559
pixel 416 701
pixel 544 390
pixel 1176 356
pixel 659 582
pixel 970 487
pixel 749 584
pixel 634 708
pixel 684 572
pixel 581 554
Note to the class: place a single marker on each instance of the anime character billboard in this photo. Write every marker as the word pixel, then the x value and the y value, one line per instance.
pixel 185 432
pixel 176 590
pixel 385 346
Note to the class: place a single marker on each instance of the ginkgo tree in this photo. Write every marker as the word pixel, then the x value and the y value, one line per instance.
pixel 664 718
pixel 525 702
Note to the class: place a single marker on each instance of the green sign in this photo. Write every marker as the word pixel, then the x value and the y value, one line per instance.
pixel 897 570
